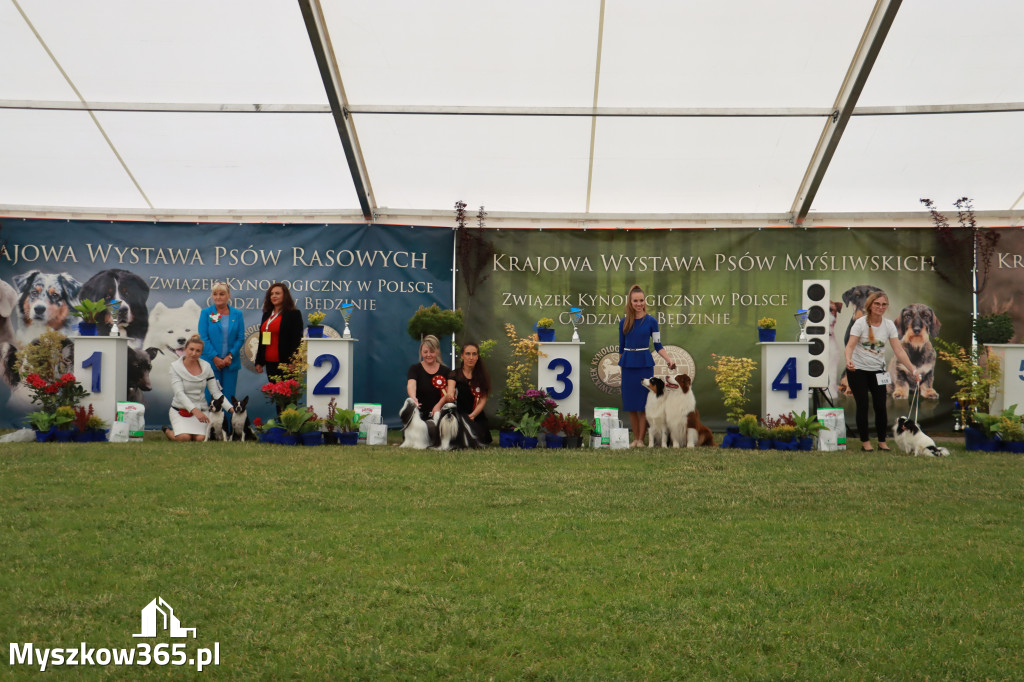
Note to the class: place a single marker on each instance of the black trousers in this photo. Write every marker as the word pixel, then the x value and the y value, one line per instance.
pixel 864 384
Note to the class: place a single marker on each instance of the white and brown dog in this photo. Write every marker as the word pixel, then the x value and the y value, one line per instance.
pixel 916 325
pixel 678 420
pixel 657 429
pixel 417 432
pixel 912 440
pixel 45 301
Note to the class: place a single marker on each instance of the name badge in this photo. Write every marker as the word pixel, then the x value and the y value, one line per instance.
pixel 265 339
pixel 883 378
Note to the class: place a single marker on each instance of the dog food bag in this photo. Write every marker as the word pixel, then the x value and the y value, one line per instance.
pixel 605 419
pixel 833 435
pixel 129 423
pixel 364 410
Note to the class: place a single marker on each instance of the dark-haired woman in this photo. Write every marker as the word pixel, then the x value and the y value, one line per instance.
pixel 468 388
pixel 636 331
pixel 280 330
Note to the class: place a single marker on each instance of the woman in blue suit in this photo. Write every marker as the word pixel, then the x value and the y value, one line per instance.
pixel 637 330
pixel 223 331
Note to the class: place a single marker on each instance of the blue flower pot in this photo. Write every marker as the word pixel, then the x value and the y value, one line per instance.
pixel 315 332
pixel 805 443
pixel 1014 446
pixel 766 335
pixel 510 439
pixel 273 434
pixel 348 438
pixel 312 438
pixel 289 439
pixel 785 444
pixel 528 443
pixel 44 436
pixel 745 442
pixel 545 334
pixel 552 440
pixel 63 435
pixel 87 329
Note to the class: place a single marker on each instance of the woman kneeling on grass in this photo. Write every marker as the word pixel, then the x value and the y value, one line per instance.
pixel 190 376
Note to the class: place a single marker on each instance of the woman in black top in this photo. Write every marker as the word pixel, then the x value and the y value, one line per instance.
pixel 427 380
pixel 280 330
pixel 468 388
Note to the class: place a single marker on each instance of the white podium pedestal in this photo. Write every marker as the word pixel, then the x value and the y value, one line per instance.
pixel 558 373
pixel 101 366
pixel 329 374
pixel 1011 388
pixel 784 377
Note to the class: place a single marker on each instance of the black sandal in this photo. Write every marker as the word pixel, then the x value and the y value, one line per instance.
pixel 165 429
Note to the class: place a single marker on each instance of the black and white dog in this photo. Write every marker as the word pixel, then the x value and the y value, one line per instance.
pixel 131 290
pixel 241 427
pixel 45 300
pixel 912 440
pixel 454 430
pixel 417 432
pixel 215 412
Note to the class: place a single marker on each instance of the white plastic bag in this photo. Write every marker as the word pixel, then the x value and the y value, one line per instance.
pixel 619 438
pixel 133 416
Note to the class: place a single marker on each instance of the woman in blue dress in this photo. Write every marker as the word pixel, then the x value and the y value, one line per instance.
pixel 636 331
pixel 222 330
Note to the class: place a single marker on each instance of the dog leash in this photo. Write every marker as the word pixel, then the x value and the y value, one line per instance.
pixel 915 404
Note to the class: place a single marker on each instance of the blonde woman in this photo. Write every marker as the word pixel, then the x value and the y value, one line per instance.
pixel 637 330
pixel 865 365
pixel 427 380
pixel 222 330
pixel 191 377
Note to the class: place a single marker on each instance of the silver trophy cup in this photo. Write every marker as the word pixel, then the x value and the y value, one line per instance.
pixel 346 312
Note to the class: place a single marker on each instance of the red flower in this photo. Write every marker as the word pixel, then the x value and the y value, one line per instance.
pixel 257 422
pixel 51 389
pixel 35 381
pixel 68 378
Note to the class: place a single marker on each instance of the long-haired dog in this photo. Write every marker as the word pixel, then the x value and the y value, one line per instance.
pixel 45 300
pixel 417 432
pixel 679 404
pixel 454 429
pixel 657 429
pixel 241 427
pixel 912 440
pixel 215 413
pixel 916 325
pixel 697 432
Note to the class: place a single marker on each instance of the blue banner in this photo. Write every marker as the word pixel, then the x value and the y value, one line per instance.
pixel 387 272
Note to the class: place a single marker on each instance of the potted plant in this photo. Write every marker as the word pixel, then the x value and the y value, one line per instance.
pixel 1010 430
pixel 90 312
pixel 529 426
pixel 436 321
pixel 347 423
pixel 553 426
pixel 732 376
pixel 295 422
pixel 807 429
pixel 976 382
pixel 42 423
pixel 545 329
pixel 575 430
pixel 62 421
pixel 750 430
pixel 315 330
pixel 766 329
pixel 784 437
pixel 88 426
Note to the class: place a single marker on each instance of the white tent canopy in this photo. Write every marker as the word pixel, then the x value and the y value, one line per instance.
pixel 580 111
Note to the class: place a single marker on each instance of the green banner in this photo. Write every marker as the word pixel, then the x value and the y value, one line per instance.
pixel 707 288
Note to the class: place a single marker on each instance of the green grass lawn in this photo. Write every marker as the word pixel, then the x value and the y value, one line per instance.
pixel 380 563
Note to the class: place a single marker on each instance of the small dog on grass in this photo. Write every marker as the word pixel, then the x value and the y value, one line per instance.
pixel 912 440
pixel 417 432
pixel 241 427
pixel 657 429
pixel 215 413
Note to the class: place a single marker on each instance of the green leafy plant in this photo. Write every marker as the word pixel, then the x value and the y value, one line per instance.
pixel 977 378
pixel 90 311
pixel 316 318
pixel 345 420
pixel 749 426
pixel 1008 425
pixel 64 416
pixel 50 395
pixel 996 328
pixel 296 421
pixel 732 376
pixel 435 321
pixel 529 425
pixel 807 425
pixel 767 323
pixel 40 420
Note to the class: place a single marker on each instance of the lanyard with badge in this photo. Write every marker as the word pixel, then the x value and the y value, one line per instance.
pixel 265 336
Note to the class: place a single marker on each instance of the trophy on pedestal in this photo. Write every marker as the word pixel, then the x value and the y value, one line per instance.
pixel 115 309
pixel 576 315
pixel 801 322
pixel 346 312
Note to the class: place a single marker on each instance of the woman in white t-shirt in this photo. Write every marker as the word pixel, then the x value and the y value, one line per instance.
pixel 866 367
